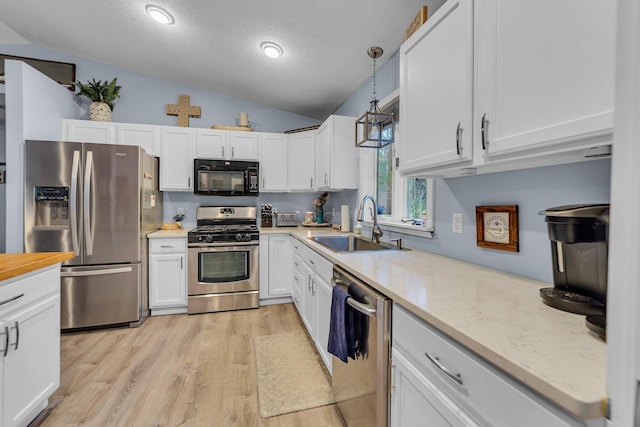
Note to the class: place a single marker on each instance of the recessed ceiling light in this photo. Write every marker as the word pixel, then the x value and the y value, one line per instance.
pixel 159 14
pixel 271 49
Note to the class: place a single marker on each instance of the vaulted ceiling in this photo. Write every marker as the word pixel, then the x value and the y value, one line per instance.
pixel 215 45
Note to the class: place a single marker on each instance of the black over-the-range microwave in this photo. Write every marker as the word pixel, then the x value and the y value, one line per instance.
pixel 225 177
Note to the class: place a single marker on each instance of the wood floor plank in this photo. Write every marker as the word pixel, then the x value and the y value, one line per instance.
pixel 179 370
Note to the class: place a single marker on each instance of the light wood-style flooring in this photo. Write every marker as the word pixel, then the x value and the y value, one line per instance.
pixel 177 370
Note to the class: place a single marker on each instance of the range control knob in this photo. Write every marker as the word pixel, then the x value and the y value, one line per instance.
pixel 208 238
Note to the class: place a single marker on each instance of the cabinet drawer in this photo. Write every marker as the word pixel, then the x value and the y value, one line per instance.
pixel 28 288
pixel 159 246
pixel 319 264
pixel 499 399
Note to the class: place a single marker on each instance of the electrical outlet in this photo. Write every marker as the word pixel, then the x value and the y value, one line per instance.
pixel 180 211
pixel 456 223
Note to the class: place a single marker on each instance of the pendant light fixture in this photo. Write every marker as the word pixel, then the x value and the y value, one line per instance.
pixel 374 129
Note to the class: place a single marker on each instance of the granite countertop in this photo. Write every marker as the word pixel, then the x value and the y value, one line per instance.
pixel 12 265
pixel 498 316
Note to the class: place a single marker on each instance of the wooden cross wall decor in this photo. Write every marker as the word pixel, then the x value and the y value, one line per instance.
pixel 183 110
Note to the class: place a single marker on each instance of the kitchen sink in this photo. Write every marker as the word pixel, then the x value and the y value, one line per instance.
pixel 353 244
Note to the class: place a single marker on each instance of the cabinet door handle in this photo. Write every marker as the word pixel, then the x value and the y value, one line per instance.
pixel 17 328
pixel 189 181
pixel 166 246
pixel 458 138
pixel 436 361
pixel 313 287
pixel 326 178
pixel 484 124
pixel 311 262
pixel 310 182
pixel 6 341
pixel 7 301
pixel 233 151
pixel 181 267
pixel 263 183
pixel 223 151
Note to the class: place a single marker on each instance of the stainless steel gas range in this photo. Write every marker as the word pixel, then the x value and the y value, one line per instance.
pixel 223 260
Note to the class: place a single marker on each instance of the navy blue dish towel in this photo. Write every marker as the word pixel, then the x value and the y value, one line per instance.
pixel 340 328
pixel 360 322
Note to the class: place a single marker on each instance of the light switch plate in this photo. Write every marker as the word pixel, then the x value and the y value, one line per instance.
pixel 456 222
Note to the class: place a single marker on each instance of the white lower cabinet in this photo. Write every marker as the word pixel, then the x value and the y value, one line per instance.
pixel 29 344
pixel 314 272
pixel 323 290
pixel 417 401
pixel 168 275
pixel 437 381
pixel 276 274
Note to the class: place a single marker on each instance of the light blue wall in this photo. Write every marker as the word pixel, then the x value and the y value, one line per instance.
pixel 143 99
pixel 531 189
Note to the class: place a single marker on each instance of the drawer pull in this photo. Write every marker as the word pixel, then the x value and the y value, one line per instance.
pixel 436 361
pixel 7 301
pixel 166 246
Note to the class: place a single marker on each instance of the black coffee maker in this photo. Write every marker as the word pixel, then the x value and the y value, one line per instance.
pixel 579 237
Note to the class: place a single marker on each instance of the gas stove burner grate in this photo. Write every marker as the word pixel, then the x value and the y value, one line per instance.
pixel 571 302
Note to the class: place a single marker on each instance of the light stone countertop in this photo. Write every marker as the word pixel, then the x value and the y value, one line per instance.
pixel 497 315
pixel 168 233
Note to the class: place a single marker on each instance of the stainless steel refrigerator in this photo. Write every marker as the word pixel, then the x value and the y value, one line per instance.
pixel 99 201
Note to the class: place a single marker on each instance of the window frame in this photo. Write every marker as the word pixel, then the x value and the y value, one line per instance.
pixel 368 185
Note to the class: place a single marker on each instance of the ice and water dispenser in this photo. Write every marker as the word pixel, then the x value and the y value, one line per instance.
pixel 51 207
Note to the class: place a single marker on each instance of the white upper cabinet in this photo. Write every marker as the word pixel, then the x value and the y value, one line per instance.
pixel 545 73
pixel 145 136
pixel 210 144
pixel 89 131
pixel 301 160
pixel 176 167
pixel 243 145
pixel 436 89
pixel 273 162
pixel 490 86
pixel 336 154
pixel 223 144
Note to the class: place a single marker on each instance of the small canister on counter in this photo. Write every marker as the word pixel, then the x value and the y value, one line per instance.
pixel 309 217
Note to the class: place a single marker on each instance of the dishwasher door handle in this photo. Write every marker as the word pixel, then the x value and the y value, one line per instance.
pixel 366 309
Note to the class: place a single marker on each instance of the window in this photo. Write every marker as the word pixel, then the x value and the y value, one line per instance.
pixel 404 203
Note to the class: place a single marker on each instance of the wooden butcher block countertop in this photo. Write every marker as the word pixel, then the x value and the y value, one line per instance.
pixel 12 265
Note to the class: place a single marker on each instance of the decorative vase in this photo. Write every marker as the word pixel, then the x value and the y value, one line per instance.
pixel 100 111
pixel 319 215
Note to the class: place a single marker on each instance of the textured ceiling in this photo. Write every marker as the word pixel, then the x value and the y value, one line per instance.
pixel 214 45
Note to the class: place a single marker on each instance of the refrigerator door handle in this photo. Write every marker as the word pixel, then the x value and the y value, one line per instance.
pixel 75 169
pixel 88 223
pixel 96 272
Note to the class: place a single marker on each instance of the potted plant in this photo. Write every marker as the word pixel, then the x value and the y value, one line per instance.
pixel 102 95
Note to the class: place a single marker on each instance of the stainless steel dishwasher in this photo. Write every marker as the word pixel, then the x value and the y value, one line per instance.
pixel 361 386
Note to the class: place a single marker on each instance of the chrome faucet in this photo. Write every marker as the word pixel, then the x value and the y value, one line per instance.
pixel 376 232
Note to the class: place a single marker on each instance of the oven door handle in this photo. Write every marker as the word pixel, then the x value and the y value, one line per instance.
pixel 216 247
